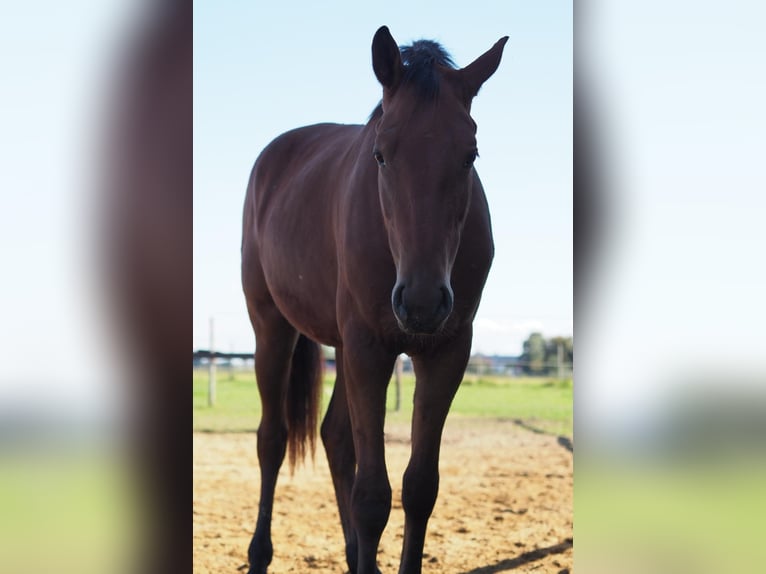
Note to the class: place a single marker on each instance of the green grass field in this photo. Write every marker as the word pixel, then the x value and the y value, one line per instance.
pixel 79 503
pixel 671 516
pixel 541 403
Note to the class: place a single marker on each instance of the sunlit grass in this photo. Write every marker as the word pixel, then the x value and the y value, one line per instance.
pixel 70 510
pixel 540 403
pixel 670 517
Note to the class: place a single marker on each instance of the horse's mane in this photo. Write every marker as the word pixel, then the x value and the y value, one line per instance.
pixel 420 60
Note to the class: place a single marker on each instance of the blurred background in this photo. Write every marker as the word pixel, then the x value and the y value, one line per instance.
pixel 96 182
pixel 670 369
pixel 96 247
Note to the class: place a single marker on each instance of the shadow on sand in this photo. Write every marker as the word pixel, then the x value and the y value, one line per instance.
pixel 527 557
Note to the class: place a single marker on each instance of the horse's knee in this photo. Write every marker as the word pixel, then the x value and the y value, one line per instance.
pixel 337 439
pixel 371 504
pixel 419 490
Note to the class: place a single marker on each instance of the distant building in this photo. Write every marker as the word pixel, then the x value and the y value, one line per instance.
pixel 494 365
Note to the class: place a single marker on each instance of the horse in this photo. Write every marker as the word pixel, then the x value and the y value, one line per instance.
pixel 376 240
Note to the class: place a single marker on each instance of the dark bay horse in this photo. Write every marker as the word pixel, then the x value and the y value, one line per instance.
pixel 375 240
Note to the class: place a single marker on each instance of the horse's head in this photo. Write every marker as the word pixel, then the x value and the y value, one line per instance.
pixel 425 148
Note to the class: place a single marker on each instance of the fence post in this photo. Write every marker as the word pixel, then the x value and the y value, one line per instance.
pixel 398 369
pixel 560 360
pixel 211 369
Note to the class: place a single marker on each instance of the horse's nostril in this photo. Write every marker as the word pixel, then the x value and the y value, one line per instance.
pixel 397 295
pixel 447 300
pixel 397 302
pixel 419 310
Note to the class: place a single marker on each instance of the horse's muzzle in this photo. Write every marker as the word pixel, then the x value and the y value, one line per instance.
pixel 421 311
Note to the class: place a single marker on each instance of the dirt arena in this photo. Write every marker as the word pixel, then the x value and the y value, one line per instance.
pixel 505 505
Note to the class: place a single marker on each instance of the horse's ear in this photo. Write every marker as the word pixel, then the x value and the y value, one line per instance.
pixel 479 71
pixel 386 61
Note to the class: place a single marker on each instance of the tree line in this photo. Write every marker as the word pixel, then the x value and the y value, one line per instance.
pixel 541 356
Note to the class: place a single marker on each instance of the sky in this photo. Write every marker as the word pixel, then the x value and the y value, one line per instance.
pixel 676 301
pixel 53 107
pixel 263 68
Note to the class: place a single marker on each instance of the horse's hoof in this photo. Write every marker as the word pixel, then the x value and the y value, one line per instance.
pixel 258 569
pixel 259 555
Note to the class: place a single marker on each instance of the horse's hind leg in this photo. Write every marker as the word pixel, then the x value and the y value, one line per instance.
pixel 276 340
pixel 339 445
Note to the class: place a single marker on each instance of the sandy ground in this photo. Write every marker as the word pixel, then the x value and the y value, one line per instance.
pixel 505 505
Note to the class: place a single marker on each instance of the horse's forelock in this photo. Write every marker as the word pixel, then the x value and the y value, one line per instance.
pixel 420 60
pixel 425 53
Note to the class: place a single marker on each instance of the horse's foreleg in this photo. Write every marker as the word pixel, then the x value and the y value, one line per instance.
pixel 339 446
pixel 367 371
pixel 275 344
pixel 437 379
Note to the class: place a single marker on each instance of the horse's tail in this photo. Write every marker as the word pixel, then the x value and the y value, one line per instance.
pixel 303 397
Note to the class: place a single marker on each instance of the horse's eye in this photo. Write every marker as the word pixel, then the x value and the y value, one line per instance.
pixel 470 159
pixel 379 158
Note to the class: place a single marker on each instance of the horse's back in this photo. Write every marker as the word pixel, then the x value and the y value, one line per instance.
pixel 298 165
pixel 288 242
